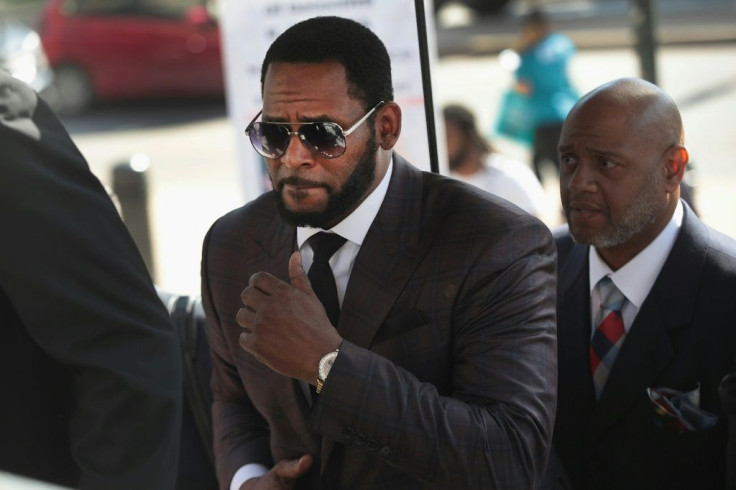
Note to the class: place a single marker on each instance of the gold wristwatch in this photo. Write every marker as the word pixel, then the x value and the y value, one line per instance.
pixel 325 364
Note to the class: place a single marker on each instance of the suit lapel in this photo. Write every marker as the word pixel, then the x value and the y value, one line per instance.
pixel 277 241
pixel 647 350
pixel 573 330
pixel 391 251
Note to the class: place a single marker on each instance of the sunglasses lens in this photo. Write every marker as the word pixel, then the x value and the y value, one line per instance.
pixel 327 139
pixel 270 140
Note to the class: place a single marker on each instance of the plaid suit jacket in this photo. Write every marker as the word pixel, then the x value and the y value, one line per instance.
pixel 447 375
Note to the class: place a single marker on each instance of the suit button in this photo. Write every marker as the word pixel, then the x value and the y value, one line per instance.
pixel 349 434
pixel 385 451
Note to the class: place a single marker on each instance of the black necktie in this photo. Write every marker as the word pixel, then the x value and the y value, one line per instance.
pixel 320 274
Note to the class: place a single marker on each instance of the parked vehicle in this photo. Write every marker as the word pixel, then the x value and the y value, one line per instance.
pixel 113 49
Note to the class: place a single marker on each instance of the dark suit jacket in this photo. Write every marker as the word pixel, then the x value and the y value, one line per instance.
pixel 727 392
pixel 684 336
pixel 90 376
pixel 447 373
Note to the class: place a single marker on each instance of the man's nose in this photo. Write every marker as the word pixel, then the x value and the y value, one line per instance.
pixel 581 178
pixel 296 154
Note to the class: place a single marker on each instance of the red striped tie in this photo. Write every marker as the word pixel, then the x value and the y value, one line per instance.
pixel 609 335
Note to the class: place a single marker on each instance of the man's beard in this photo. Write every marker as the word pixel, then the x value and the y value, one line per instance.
pixel 644 210
pixel 339 203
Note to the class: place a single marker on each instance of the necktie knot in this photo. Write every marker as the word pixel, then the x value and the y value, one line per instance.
pixel 612 299
pixel 325 245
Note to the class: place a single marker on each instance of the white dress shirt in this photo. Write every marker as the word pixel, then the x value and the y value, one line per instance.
pixel 636 278
pixel 353 228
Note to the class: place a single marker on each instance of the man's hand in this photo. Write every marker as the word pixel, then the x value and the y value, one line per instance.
pixel 286 326
pixel 281 476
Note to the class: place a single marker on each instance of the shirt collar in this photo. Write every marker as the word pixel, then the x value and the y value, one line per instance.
pixel 355 226
pixel 636 278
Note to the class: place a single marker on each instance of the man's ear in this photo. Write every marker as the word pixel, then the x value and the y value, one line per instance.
pixel 388 125
pixel 677 159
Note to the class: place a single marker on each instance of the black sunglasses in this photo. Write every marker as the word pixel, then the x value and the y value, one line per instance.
pixel 326 139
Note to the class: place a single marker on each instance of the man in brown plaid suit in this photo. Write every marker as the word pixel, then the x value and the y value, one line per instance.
pixel 441 370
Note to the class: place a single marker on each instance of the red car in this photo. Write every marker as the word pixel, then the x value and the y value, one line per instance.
pixel 113 49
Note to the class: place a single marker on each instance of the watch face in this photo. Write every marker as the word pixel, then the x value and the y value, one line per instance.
pixel 325 364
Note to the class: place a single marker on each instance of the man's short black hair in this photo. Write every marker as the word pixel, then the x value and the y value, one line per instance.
pixel 357 48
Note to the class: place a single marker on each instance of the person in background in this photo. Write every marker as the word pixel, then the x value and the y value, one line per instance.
pixel 542 75
pixel 472 160
pixel 90 370
pixel 645 303
pixel 419 349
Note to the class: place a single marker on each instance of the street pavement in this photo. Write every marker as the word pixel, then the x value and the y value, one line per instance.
pixel 194 177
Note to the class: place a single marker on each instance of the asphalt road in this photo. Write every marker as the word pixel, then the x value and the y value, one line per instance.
pixel 194 178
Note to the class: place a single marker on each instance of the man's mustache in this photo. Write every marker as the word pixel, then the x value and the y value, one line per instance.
pixel 297 181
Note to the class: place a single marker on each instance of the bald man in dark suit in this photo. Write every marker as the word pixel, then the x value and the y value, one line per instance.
pixel 90 375
pixel 645 303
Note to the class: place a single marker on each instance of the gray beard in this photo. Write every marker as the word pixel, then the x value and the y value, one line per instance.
pixel 643 211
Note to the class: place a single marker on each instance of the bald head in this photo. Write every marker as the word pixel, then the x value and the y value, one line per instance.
pixel 644 105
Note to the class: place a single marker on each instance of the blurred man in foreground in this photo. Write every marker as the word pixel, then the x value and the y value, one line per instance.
pixel 90 376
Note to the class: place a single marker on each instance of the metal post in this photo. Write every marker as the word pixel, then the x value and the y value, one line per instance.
pixel 644 28
pixel 427 84
pixel 129 183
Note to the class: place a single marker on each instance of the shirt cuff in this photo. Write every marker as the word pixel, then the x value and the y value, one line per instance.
pixel 245 473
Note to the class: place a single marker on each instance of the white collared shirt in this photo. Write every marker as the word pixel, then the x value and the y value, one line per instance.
pixel 636 278
pixel 354 228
